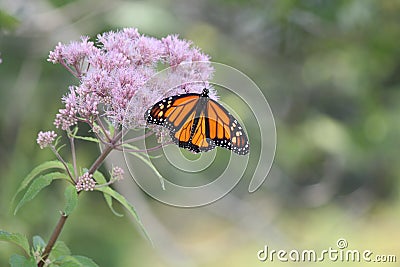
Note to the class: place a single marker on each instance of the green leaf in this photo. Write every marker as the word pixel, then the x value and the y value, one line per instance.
pixel 20 261
pixel 100 179
pixel 68 261
pixel 38 243
pixel 74 131
pixel 54 164
pixel 121 199
pixel 71 199
pixel 111 127
pixel 16 238
pixel 109 202
pixel 148 163
pixel 60 147
pixel 59 250
pixel 85 261
pixel 57 141
pixel 37 185
pixel 155 157
pixel 87 138
pixel 75 261
pixel 70 264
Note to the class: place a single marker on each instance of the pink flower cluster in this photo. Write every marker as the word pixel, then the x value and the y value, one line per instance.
pixel 85 182
pixel 117 173
pixel 116 69
pixel 45 139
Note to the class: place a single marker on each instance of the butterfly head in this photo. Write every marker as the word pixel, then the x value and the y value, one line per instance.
pixel 205 92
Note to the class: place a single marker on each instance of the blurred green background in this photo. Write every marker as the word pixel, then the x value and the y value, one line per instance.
pixel 331 73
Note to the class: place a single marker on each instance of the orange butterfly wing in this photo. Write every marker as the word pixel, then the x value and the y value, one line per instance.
pixel 224 130
pixel 172 112
pixel 199 123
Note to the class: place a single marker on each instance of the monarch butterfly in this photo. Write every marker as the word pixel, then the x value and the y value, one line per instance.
pixel 199 123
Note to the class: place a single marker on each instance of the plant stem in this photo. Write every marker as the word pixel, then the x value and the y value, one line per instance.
pixel 138 138
pixel 73 152
pixel 63 162
pixel 105 153
pixel 53 239
pixel 63 218
pixel 65 65
pixel 144 150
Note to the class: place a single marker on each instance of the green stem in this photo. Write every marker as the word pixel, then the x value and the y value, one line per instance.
pixel 63 162
pixel 73 152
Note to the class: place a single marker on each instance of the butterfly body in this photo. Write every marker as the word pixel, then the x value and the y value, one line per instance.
pixel 199 123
